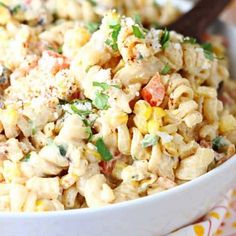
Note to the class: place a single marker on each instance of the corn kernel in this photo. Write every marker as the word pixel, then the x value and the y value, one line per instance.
pixel 171 148
pixel 118 119
pixel 11 115
pixel 43 205
pixel 119 166
pixel 135 184
pixel 39 203
pixel 5 15
pixel 73 173
pixel 141 124
pixel 10 171
pixel 153 126
pixel 227 124
pixel 143 108
pixel 158 113
pixel 93 154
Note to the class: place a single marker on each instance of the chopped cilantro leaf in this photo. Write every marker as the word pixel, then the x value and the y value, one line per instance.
pixel 88 128
pixel 33 131
pixel 165 70
pixel 115 86
pixel 101 101
pixel 165 39
pixel 116 30
pixel 155 4
pixel 16 9
pixel 27 157
pixel 137 32
pixel 113 45
pixel 102 85
pixel 114 36
pixel 103 150
pixel 108 42
pixel 88 122
pixel 33 128
pixel 59 50
pixel 62 150
pixel 92 27
pixel 13 10
pixel 51 48
pixel 92 2
pixel 190 40
pixel 81 107
pixel 149 140
pixel 89 132
pixel 208 51
pixel 79 112
pixel 140 56
pixel 218 143
pixel 137 19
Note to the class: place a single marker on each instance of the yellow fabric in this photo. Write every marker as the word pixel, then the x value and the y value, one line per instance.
pixel 220 221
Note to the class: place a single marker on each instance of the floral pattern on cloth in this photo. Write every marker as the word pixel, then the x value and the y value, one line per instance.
pixel 220 221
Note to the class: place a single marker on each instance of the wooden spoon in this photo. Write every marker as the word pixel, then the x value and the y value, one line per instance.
pixel 195 22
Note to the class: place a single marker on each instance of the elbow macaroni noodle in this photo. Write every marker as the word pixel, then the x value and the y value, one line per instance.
pixel 88 119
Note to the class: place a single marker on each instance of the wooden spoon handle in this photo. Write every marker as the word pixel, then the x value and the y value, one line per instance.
pixel 196 21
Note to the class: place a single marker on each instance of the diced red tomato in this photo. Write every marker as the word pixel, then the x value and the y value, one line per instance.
pixel 154 92
pixel 106 167
pixel 75 95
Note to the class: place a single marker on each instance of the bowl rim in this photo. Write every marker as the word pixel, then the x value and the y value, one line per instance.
pixel 126 204
pixel 184 6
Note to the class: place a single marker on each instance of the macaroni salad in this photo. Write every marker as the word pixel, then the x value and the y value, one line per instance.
pixel 94 114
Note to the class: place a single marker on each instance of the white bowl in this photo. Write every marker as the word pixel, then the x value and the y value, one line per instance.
pixel 154 215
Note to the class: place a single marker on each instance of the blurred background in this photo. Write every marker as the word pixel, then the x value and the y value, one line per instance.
pixel 225 26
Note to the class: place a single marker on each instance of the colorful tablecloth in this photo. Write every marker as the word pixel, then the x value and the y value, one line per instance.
pixel 220 221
